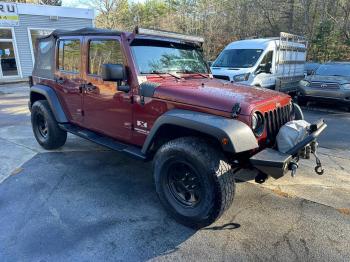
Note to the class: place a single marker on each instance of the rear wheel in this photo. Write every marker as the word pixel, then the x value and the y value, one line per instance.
pixel 45 128
pixel 194 181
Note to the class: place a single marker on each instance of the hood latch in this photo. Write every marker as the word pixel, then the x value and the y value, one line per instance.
pixel 236 109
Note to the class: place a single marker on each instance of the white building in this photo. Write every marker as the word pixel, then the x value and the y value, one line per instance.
pixel 21 24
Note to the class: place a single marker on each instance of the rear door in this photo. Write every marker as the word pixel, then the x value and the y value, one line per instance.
pixel 106 110
pixel 68 77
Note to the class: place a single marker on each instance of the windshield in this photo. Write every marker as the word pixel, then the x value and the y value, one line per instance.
pixel 333 70
pixel 165 57
pixel 238 58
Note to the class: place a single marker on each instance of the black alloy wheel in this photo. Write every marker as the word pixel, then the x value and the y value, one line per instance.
pixel 184 184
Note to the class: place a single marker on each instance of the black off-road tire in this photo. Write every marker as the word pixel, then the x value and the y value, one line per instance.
pixel 45 128
pixel 214 173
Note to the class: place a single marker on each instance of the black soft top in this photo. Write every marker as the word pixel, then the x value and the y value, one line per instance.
pixel 83 31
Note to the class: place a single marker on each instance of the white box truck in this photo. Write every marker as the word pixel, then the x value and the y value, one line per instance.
pixel 274 63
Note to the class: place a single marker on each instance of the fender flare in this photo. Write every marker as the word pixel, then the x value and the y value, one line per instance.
pixel 52 99
pixel 239 134
pixel 299 115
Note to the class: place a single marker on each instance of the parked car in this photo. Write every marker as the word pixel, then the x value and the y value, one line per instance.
pixel 274 63
pixel 310 68
pixel 149 94
pixel 329 83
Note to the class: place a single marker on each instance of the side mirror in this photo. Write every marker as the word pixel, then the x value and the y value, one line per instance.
pixel 260 69
pixel 310 72
pixel 210 63
pixel 264 68
pixel 123 88
pixel 268 67
pixel 113 72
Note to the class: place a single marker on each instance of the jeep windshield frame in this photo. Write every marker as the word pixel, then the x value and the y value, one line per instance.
pixel 167 57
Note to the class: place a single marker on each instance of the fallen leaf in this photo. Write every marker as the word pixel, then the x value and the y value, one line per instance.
pixel 17 171
pixel 345 211
pixel 281 193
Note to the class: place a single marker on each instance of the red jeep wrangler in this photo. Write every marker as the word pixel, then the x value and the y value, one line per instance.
pixel 150 94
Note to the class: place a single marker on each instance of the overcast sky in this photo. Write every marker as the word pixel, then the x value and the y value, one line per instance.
pixel 75 3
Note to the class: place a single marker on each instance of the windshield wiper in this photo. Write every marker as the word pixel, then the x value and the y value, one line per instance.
pixel 160 73
pixel 192 72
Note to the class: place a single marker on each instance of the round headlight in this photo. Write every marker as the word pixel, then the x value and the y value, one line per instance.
pixel 258 123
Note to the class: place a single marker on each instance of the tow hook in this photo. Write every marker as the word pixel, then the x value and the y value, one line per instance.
pixel 293 166
pixel 318 169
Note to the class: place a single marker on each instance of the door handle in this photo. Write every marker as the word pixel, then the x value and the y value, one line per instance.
pixel 90 87
pixel 81 88
pixel 59 80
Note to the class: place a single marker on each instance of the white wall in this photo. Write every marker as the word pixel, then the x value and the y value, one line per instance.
pixel 38 21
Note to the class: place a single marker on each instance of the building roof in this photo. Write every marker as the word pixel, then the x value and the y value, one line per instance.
pixel 49 10
pixel 81 32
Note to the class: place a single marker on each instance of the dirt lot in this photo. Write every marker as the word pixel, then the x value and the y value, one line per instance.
pixel 84 202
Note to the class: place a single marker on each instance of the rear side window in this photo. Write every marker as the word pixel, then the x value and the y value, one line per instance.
pixel 69 55
pixel 44 55
pixel 44 58
pixel 103 52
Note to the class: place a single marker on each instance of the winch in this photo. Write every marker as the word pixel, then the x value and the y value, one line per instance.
pixel 295 140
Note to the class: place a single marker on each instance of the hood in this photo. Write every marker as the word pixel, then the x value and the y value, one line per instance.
pixel 228 71
pixel 335 79
pixel 217 94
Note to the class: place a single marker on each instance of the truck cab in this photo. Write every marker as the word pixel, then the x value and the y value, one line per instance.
pixel 274 63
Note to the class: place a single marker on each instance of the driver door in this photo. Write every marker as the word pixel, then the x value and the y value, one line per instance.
pixel 266 77
pixel 106 110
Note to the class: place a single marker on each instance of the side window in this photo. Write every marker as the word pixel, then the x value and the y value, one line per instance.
pixel 44 53
pixel 69 55
pixel 103 52
pixel 267 58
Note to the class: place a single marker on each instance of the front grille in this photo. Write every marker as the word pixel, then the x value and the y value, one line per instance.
pixel 324 85
pixel 274 119
pixel 221 77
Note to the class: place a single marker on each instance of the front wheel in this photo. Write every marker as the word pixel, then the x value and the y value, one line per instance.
pixel 194 181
